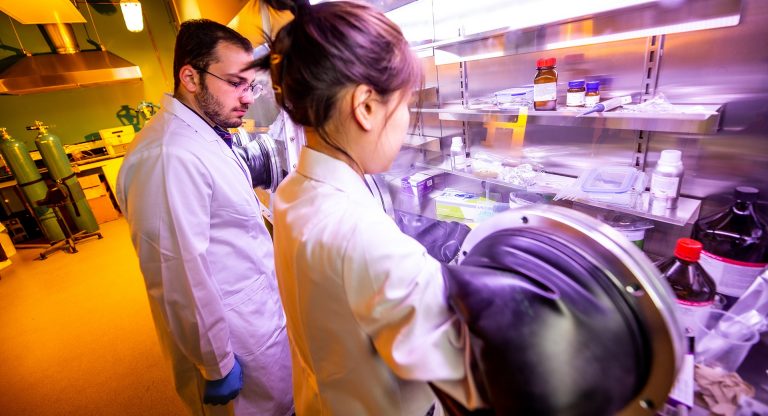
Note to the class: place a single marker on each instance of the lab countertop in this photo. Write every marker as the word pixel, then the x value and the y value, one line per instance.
pixel 94 162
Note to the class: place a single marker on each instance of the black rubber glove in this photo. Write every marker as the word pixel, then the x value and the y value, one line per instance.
pixel 442 239
pixel 550 333
pixel 257 162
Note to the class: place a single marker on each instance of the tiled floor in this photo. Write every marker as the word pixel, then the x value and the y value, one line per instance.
pixel 76 334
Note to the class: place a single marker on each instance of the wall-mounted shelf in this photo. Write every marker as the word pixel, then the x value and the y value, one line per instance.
pixel 416 141
pixel 696 119
pixel 687 210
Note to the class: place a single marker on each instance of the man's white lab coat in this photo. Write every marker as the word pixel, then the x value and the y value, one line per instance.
pixel 367 316
pixel 207 261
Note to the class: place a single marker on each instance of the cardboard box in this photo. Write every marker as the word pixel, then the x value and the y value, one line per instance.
pixel 89 181
pixel 420 183
pixel 458 204
pixel 103 209
pixel 95 191
pixel 7 243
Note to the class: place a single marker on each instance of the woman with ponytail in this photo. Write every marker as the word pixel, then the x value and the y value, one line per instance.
pixel 367 319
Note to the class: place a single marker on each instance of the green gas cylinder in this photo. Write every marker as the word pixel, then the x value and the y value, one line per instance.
pixel 31 183
pixel 55 159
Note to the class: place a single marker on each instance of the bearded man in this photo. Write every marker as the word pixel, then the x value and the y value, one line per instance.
pixel 204 251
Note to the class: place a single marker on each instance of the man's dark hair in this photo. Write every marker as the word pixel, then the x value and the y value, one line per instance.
pixel 196 42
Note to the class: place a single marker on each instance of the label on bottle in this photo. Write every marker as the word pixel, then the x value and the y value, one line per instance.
pixel 682 391
pixel 688 316
pixel 545 92
pixel 574 99
pixel 591 100
pixel 664 186
pixel 732 277
pixel 634 235
pixel 458 159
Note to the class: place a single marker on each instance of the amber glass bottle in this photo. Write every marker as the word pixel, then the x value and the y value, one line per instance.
pixel 735 244
pixel 693 287
pixel 545 85
pixel 592 97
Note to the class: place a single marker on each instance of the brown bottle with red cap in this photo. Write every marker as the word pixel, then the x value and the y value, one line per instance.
pixel 545 85
pixel 694 288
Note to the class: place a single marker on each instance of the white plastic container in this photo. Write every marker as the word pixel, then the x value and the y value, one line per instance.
pixel 630 226
pixel 666 179
pixel 512 97
pixel 458 154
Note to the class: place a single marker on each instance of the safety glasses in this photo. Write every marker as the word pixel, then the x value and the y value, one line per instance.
pixel 241 87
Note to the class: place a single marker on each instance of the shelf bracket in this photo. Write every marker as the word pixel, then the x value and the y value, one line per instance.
pixel 641 149
pixel 654 51
pixel 464 91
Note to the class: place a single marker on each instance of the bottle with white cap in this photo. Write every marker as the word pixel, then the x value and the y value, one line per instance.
pixel 458 154
pixel 667 178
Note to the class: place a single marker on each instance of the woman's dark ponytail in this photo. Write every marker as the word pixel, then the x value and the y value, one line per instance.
pixel 267 62
pixel 296 7
pixel 329 47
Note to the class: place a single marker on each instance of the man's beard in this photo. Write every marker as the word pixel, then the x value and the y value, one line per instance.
pixel 213 109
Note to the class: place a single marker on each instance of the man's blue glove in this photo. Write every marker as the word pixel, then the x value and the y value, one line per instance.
pixel 223 390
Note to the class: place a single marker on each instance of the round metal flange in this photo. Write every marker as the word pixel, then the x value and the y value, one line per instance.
pixel 629 271
pixel 240 136
pixel 270 153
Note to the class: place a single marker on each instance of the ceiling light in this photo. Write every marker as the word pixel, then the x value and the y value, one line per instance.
pixel 134 20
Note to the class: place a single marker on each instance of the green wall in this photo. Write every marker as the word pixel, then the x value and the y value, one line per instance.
pixel 76 115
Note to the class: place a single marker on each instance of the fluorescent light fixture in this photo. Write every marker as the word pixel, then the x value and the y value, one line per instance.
pixel 445 57
pixel 134 20
pixel 659 30
pixel 469 18
pixel 410 18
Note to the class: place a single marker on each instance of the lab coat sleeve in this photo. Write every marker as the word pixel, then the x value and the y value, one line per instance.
pixel 396 292
pixel 192 300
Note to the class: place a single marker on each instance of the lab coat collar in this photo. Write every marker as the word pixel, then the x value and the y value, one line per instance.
pixel 202 128
pixel 323 168
pixel 190 117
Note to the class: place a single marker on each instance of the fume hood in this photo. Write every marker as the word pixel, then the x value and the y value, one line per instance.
pixel 68 67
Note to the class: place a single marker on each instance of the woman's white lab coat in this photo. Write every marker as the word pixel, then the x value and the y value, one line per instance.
pixel 207 261
pixel 367 318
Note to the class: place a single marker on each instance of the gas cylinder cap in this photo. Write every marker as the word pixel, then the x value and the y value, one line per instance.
pixel 39 125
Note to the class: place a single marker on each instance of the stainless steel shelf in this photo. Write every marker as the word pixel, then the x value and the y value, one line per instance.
pixel 695 119
pixel 687 209
pixel 445 167
pixel 422 142
pixel 686 212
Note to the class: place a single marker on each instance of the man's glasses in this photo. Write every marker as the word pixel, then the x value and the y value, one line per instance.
pixel 242 87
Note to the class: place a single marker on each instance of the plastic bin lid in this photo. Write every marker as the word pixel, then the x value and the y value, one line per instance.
pixel 612 179
pixel 513 92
